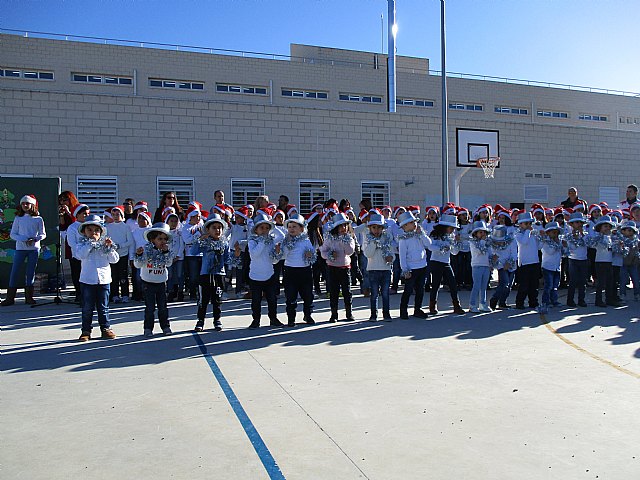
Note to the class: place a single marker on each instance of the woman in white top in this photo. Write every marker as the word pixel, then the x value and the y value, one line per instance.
pixel 27 231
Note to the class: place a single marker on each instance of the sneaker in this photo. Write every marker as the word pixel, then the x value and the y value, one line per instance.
pixel 291 323
pixel 404 315
pixel 484 309
pixel 350 318
pixel 217 325
pixel 255 324
pixel 107 334
pixel 333 319
pixel 493 303
pixel 167 331
pixel 309 321
pixel 199 327
pixel 148 333
pixel 125 299
pixel 117 300
pixel 419 313
pixel 571 303
pixel 474 309
pixel 85 337
pixel 373 319
pixel 276 323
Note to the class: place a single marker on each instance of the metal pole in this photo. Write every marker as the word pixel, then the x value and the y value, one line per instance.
pixel 391 54
pixel 382 33
pixel 445 106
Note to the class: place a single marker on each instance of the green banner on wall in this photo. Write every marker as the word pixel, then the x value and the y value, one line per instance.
pixel 46 190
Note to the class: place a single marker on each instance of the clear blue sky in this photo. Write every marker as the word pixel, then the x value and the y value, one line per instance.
pixel 587 42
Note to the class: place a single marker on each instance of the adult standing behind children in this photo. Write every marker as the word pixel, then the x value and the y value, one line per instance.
pixel 169 200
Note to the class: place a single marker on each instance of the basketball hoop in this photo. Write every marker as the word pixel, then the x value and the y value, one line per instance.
pixel 488 165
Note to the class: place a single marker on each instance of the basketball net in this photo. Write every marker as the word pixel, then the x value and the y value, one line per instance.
pixel 488 165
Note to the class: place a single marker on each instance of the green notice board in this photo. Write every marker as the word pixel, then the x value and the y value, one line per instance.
pixel 46 190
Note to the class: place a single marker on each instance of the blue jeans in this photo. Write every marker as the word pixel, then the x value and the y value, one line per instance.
pixel 480 277
pixel 578 273
pixel 551 282
pixel 363 270
pixel 505 282
pixel 176 276
pixel 18 260
pixel 95 296
pixel 627 271
pixel 379 281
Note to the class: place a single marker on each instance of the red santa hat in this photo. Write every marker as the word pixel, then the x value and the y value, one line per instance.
pixel 332 207
pixel 243 212
pixel 145 215
pixel 30 198
pixel 581 205
pixel 107 213
pixel 268 210
pixel 415 209
pixel 192 211
pixel 195 204
pixel 593 207
pixel 120 208
pixel 558 211
pixel 310 216
pixel 432 208
pixel 279 212
pixel 449 209
pixel 386 208
pixel 462 211
pixel 536 207
pixel 626 212
pixel 316 206
pixel 397 210
pixel 205 215
pixel 140 205
pixel 484 208
pixel 363 215
pixel 290 210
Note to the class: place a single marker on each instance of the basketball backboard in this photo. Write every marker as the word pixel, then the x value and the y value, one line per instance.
pixel 472 144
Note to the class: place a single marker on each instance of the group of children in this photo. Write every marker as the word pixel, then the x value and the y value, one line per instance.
pixel 450 246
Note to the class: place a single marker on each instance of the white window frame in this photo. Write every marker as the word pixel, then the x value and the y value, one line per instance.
pixel 103 79
pixel 248 196
pixel 21 74
pixel 305 93
pixel 97 191
pixel 238 89
pixel 366 191
pixel 321 187
pixel 183 186
pixel 168 83
pixel 529 193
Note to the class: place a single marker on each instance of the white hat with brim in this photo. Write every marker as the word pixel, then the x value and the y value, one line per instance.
pixel 157 227
pixel 630 224
pixel 215 218
pixel 577 217
pixel 295 218
pixel 604 220
pixel 552 226
pixel 376 219
pixel 525 217
pixel 499 233
pixel 92 220
pixel 479 226
pixel 339 219
pixel 449 221
pixel 260 219
pixel 406 217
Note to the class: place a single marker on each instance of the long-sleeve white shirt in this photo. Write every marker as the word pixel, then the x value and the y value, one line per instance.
pixel 412 251
pixel 95 263
pixel 295 257
pixel 73 237
pixel 479 259
pixel 121 235
pixel 375 255
pixel 551 257
pixel 261 267
pixel 527 247
pixel 26 228
pixel 437 254
pixel 190 233
pixel 509 254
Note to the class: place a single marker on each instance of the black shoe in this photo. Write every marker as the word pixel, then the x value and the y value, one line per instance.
pixel 520 307
pixel 291 323
pixel 419 313
pixel 309 321
pixel 255 324
pixel 217 325
pixel 275 323
pixel 373 318
pixel 404 315
pixel 333 319
pixel 349 318
pixel 601 304
pixel 571 303
pixel 386 317
pixel 199 327
pixel 493 303
pixel 582 303
pixel 504 306
pixel 615 303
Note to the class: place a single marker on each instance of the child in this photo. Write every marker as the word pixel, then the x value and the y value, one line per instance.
pixel 190 233
pixel 238 243
pixel 631 259
pixel 143 224
pixel 601 241
pixel 359 232
pixel 595 212
pixel 528 262
pixel 214 248
pixel 153 259
pixel 264 252
pixel 443 244
pixel 337 249
pixel 461 263
pixel 575 241
pixel 121 236
pixel 80 213
pixel 299 254
pixel 280 232
pixel 96 254
pixel 378 248
pixel 175 283
pixel 27 231
pixel 480 254
pixel 412 245
pixel 551 246
pixel 504 257
pixel 314 230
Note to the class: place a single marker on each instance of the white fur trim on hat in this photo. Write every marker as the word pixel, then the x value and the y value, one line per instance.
pixel 79 208
pixel 28 199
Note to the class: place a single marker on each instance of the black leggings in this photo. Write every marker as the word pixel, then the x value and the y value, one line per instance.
pixel 339 279
pixel 439 271
pixel 414 283
pixel 120 278
pixel 210 289
pixel 528 285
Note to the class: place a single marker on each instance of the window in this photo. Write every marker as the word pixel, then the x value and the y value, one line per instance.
pixel 287 92
pixel 595 118
pixel 415 102
pixel 552 114
pixel 183 186
pixel 466 106
pixel 511 110
pixel 243 89
pixel 611 195
pixel 99 192
pixel 378 192
pixel 180 84
pixel 102 79
pixel 245 190
pixel 312 192
pixel 26 74
pixel 536 193
pixel 352 97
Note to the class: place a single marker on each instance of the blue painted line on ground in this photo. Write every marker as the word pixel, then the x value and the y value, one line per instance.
pixel 259 446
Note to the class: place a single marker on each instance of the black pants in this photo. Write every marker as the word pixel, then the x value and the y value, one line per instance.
pixel 120 278
pixel 298 280
pixel 319 270
pixel 339 280
pixel 461 265
pixel 528 280
pixel 578 273
pixel 439 271
pixel 591 256
pixel 416 284
pixel 278 269
pixel 76 268
pixel 210 289
pixel 155 294
pixel 268 287
pixel 605 282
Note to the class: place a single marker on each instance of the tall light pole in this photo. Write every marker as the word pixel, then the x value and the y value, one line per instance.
pixel 445 106
pixel 391 55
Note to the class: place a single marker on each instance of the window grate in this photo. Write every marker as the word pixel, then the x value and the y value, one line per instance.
pixel 312 192
pixel 377 192
pixel 183 186
pixel 244 191
pixel 99 192
pixel 536 193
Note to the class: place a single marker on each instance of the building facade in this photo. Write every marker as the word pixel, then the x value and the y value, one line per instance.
pixel 116 121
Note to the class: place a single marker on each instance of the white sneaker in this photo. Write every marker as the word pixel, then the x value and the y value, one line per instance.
pixel 484 308
pixel 474 310
pixel 117 299
pixel 148 333
pixel 125 299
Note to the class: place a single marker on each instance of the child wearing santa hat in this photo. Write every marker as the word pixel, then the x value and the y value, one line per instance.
pixel 193 262
pixel 121 236
pixel 28 231
pixel 143 224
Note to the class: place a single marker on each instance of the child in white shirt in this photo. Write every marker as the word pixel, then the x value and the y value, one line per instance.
pixel 480 270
